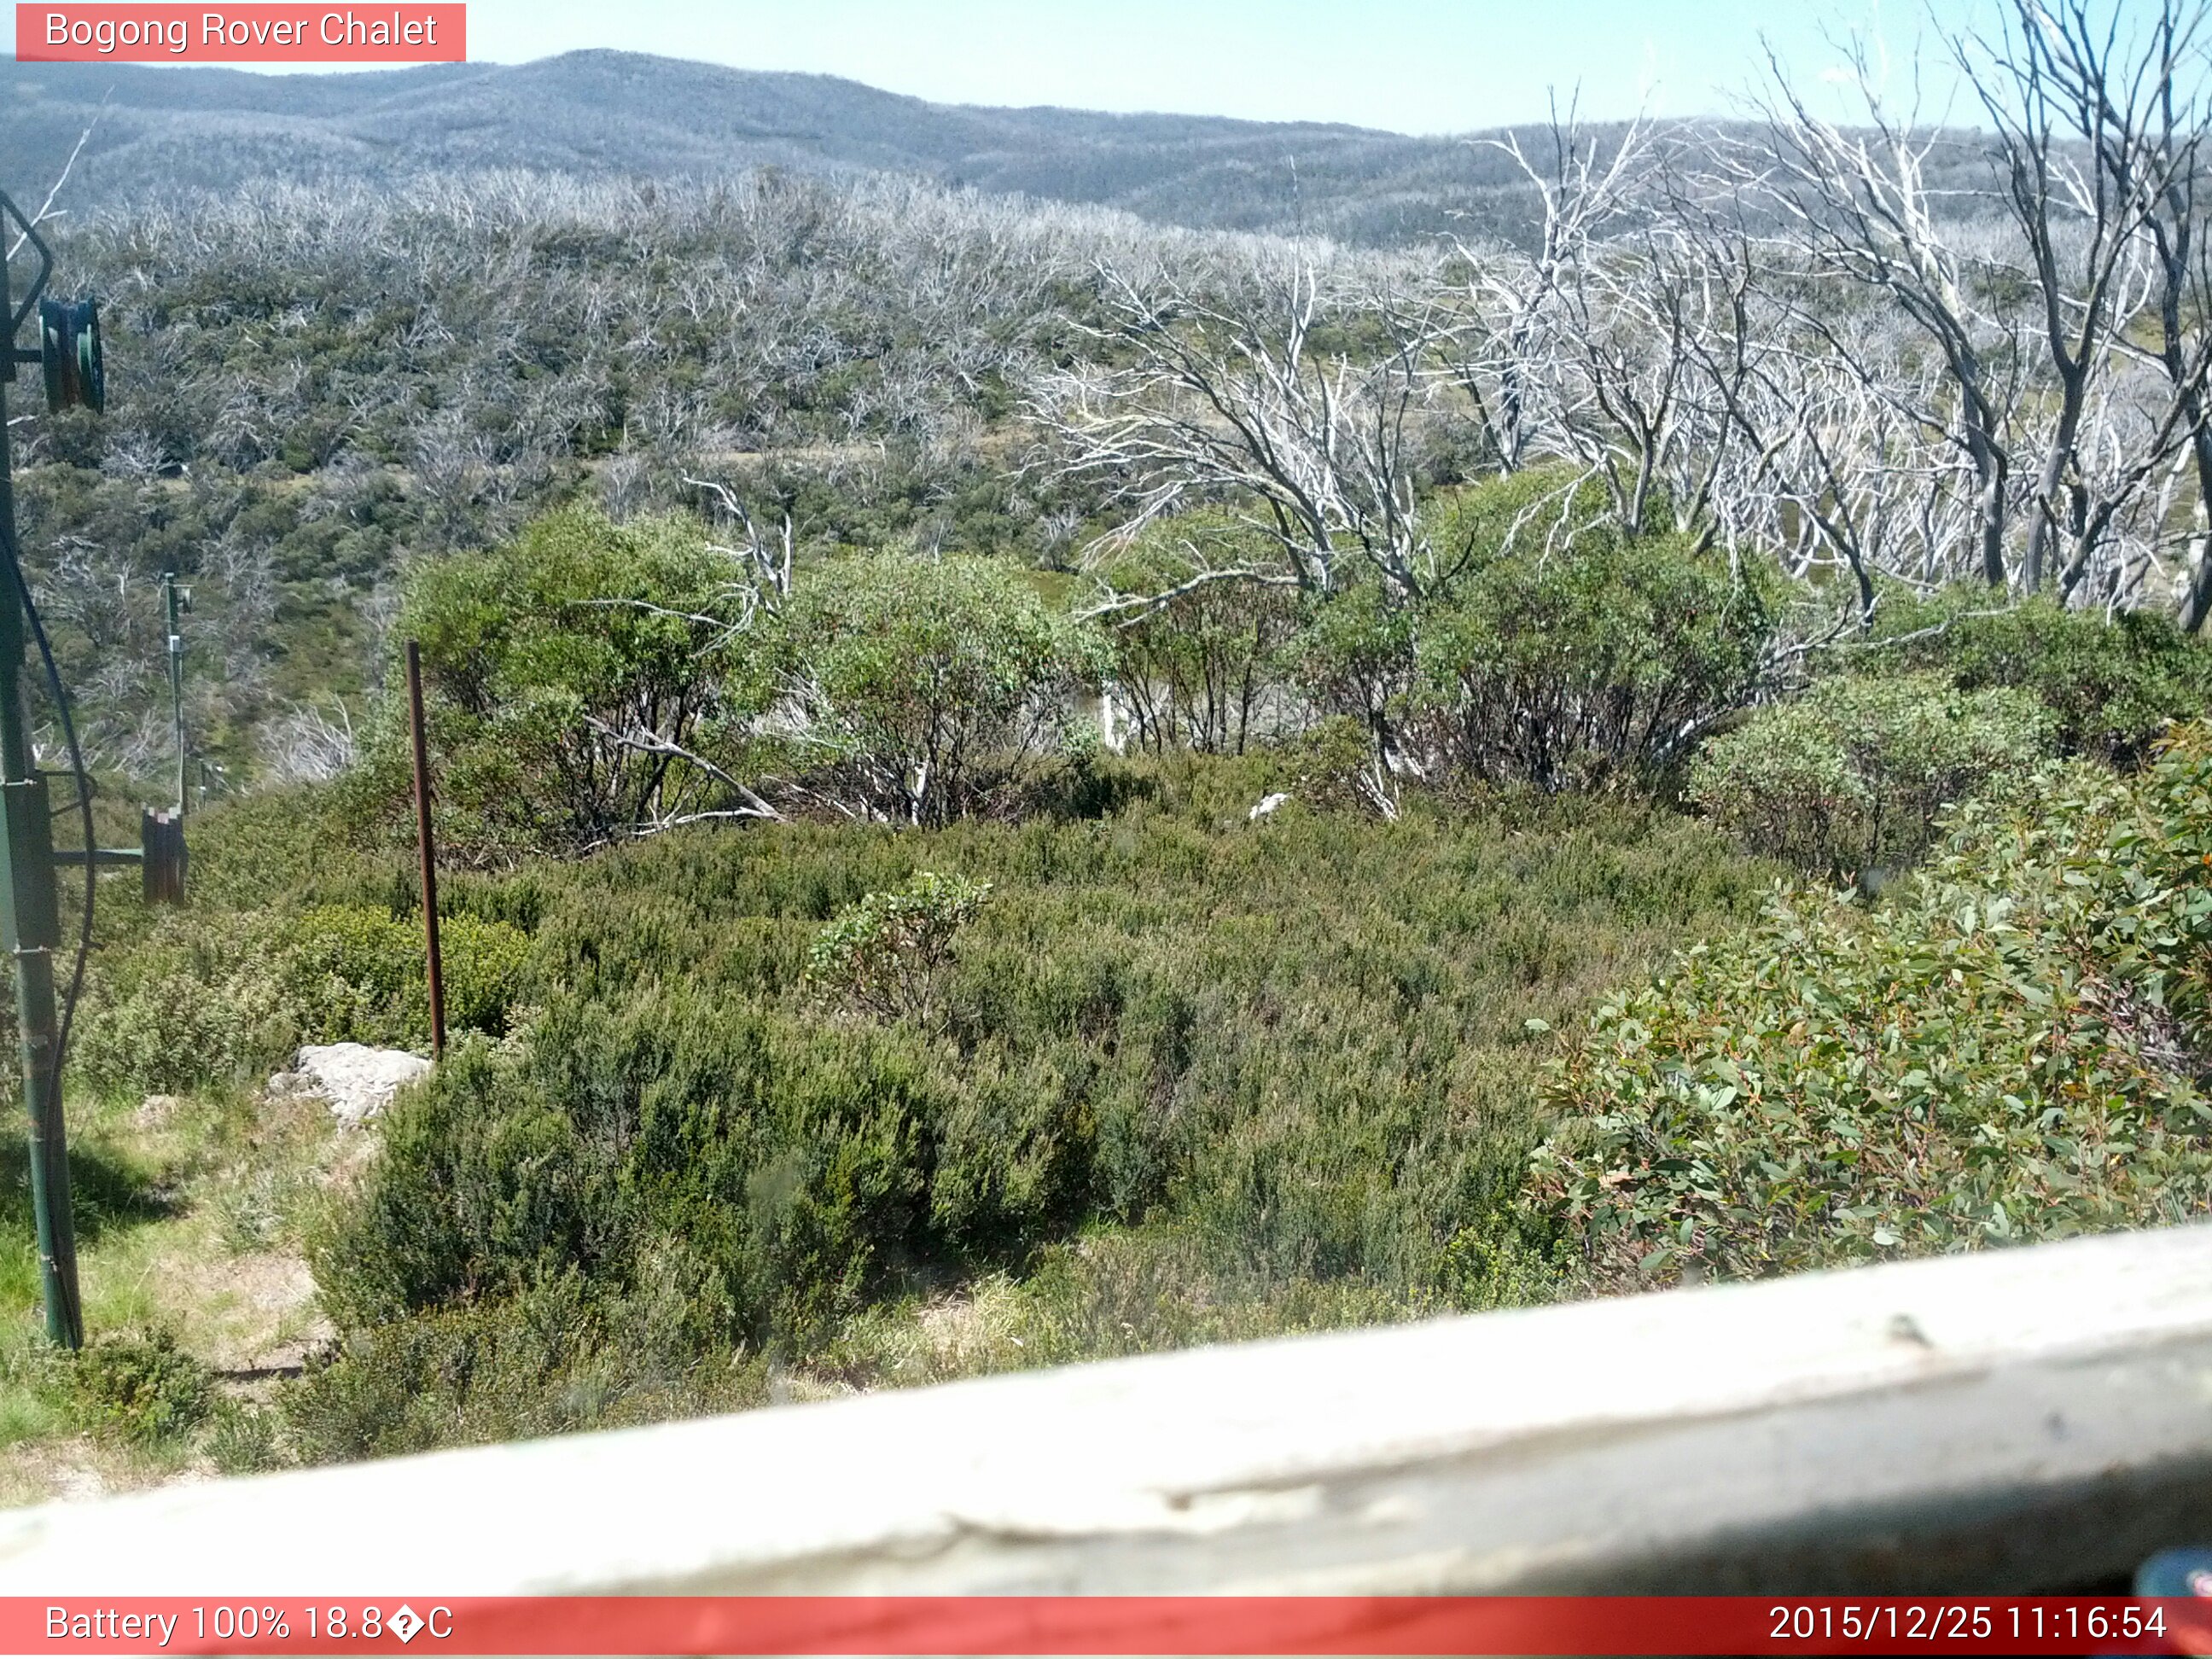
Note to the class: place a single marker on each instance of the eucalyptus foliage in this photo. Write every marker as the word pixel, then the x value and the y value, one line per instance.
pixel 888 953
pixel 1608 659
pixel 574 675
pixel 918 688
pixel 2110 682
pixel 2013 1048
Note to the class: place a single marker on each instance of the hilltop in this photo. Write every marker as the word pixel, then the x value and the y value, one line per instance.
pixel 161 131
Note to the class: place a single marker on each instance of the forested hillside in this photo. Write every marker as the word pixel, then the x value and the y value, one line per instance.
pixel 160 132
pixel 1018 783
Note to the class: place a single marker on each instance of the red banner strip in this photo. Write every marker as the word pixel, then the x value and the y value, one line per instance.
pixel 1136 1625
pixel 260 34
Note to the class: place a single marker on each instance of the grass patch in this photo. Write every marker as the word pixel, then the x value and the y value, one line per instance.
pixel 179 1305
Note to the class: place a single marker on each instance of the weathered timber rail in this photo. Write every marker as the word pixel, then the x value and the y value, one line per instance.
pixel 2033 1419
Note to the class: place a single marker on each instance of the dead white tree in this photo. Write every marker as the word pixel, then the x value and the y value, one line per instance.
pixel 1655 343
pixel 306 745
pixel 1286 392
pixel 1507 344
pixel 2071 104
pixel 760 564
pixel 46 208
pixel 2134 89
pixel 1857 206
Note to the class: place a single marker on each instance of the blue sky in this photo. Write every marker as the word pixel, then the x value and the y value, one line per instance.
pixel 1410 65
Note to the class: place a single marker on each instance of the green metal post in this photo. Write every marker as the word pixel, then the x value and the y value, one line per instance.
pixel 30 928
pixel 30 922
pixel 176 685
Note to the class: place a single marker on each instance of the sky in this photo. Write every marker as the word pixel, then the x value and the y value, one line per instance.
pixel 1422 66
pixel 1408 65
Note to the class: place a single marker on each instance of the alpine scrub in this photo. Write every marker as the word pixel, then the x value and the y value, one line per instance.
pixel 2012 1047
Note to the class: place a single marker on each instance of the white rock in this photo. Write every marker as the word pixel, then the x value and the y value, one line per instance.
pixel 357 1080
pixel 1267 805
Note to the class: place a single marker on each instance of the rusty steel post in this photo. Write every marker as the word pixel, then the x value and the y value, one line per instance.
pixel 429 849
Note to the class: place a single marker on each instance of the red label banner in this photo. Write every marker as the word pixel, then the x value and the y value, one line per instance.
pixel 260 34
pixel 1104 1624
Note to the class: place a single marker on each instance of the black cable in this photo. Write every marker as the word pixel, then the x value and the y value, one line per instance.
pixel 84 804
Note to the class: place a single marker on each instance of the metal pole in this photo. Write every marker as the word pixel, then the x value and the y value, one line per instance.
pixel 30 925
pixel 429 849
pixel 176 686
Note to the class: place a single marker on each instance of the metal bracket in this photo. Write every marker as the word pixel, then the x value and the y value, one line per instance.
pixel 45 261
pixel 27 894
pixel 160 856
pixel 98 855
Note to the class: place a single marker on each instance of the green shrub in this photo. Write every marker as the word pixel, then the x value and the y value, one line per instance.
pixel 1131 1290
pixel 145 1386
pixel 1200 670
pixel 277 847
pixel 557 1358
pixel 1851 776
pixel 567 672
pixel 1300 1044
pixel 2111 683
pixel 200 996
pixel 1331 767
pixel 205 994
pixel 2156 867
pixel 1606 658
pixel 922 686
pixel 358 976
pixel 2006 1051
pixel 890 953
pixel 1353 658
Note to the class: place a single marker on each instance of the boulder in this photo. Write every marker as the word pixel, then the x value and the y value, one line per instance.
pixel 358 1081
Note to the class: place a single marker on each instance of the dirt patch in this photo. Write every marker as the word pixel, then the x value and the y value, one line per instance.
pixel 348 1163
pixel 255 1312
pixel 79 1467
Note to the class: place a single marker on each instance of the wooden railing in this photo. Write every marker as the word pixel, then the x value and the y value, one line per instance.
pixel 2032 1418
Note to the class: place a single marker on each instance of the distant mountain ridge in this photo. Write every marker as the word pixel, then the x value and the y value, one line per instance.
pixel 162 130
